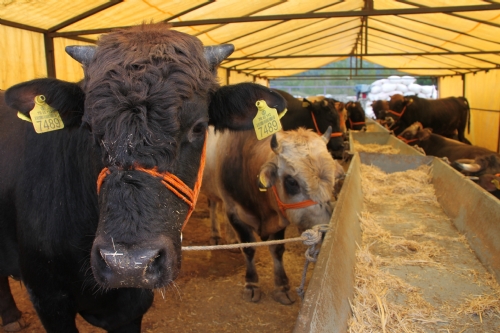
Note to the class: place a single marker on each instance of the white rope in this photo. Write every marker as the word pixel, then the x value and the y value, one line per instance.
pixel 310 237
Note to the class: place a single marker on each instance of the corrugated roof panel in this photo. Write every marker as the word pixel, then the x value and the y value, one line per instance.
pixel 427 38
pixel 133 12
pixel 299 7
pixel 379 44
pixel 242 34
pixel 344 6
pixel 390 4
pixel 491 16
pixel 277 31
pixel 450 3
pixel 45 14
pixel 331 44
pixel 303 32
pixel 316 30
pixel 227 8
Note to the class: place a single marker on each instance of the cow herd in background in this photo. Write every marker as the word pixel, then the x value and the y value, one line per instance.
pixel 438 128
pixel 91 213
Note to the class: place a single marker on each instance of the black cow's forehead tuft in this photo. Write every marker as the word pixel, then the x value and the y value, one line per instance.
pixel 136 85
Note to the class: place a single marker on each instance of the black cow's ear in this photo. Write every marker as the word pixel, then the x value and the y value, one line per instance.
pixel 234 107
pixel 66 97
pixel 267 176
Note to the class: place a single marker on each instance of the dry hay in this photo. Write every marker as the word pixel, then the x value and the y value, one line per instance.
pixel 385 301
pixel 374 148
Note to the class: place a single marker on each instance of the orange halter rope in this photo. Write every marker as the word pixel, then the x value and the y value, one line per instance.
pixel 402 111
pixel 284 206
pixel 172 182
pixel 406 140
pixel 356 123
pixel 333 135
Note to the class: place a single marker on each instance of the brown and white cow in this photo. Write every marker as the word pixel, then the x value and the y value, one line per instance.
pixel 294 167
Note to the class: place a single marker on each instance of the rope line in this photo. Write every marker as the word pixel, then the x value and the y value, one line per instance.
pixel 310 237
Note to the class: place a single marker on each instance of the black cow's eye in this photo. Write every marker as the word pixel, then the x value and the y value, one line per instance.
pixel 292 187
pixel 199 128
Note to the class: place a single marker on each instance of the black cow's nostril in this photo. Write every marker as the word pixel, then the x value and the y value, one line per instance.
pixel 156 263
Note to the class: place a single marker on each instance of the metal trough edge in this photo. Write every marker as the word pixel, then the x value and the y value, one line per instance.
pixel 475 213
pixel 325 307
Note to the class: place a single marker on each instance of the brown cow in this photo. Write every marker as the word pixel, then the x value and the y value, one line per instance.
pixel 469 159
pixel 294 166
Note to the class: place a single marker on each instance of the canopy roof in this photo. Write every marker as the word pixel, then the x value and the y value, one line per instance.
pixel 275 38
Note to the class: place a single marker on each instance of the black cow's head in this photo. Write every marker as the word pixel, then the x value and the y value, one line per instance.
pixel 148 96
pixel 355 116
pixel 379 109
pixel 325 114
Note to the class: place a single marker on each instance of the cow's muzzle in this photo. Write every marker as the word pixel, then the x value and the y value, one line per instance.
pixel 152 265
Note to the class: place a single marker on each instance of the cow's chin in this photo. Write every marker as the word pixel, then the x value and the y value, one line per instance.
pixel 151 265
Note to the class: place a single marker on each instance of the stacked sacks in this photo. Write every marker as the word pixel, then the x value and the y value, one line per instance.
pixel 404 85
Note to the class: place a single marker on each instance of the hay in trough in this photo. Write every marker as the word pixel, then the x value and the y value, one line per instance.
pixel 374 148
pixel 414 272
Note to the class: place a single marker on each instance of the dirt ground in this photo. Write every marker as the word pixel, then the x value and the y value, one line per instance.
pixel 208 294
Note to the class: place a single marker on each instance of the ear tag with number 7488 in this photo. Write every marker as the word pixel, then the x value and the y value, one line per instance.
pixel 267 120
pixel 44 117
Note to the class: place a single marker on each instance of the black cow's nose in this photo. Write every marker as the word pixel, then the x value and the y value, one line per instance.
pixel 150 266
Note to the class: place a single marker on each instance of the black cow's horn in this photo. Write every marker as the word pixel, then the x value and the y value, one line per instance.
pixel 215 54
pixel 81 53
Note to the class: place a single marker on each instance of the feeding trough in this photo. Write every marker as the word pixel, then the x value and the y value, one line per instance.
pixel 373 126
pixel 379 142
pixel 459 234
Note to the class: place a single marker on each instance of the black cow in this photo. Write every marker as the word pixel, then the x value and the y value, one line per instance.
pixel 91 214
pixel 316 115
pixel 471 160
pixel 446 116
pixel 379 108
pixel 355 116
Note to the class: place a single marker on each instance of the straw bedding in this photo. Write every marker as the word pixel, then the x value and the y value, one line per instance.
pixel 415 272
pixel 374 148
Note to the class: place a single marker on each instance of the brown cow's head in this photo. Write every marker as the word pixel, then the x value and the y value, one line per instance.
pixel 302 170
pixel 148 91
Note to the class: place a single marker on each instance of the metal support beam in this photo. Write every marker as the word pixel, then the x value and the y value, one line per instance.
pixel 49 55
pixel 350 13
pixel 352 67
pixel 365 54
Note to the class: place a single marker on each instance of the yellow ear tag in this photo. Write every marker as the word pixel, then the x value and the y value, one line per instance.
pixel 45 118
pixel 23 117
pixel 267 121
